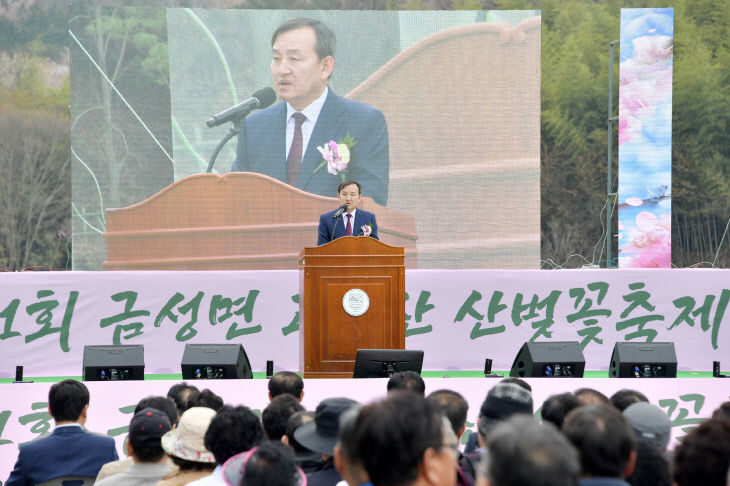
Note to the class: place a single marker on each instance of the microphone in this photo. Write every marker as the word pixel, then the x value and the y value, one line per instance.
pixel 262 98
pixel 337 217
pixel 339 212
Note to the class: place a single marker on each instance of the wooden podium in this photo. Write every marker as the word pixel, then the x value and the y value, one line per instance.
pixel 329 279
pixel 237 221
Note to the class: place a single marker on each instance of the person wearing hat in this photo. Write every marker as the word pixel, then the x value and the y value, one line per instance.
pixel 321 436
pixel 650 423
pixel 185 446
pixel 150 461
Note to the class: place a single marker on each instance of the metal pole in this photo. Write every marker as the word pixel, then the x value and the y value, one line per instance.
pixel 609 163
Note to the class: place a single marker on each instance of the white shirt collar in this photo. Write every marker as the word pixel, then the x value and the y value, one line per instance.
pixel 312 111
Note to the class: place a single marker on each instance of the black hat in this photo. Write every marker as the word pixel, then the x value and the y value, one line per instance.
pixel 149 424
pixel 321 435
pixel 503 400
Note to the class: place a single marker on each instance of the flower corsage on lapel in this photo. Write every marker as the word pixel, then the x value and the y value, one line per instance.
pixel 336 156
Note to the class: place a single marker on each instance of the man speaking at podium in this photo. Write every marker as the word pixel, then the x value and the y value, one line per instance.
pixel 291 141
pixel 347 220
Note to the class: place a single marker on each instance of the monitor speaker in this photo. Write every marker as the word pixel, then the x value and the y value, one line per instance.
pixel 113 363
pixel 215 361
pixel 560 359
pixel 643 360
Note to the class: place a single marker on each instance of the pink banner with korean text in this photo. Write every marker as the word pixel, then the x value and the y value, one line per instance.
pixel 458 317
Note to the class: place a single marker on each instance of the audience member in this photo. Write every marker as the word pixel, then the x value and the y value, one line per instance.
pixel 277 413
pixel 723 411
pixel 232 430
pixel 500 407
pixel 625 397
pixel 180 393
pixel 518 381
pixel 651 467
pixel 453 406
pixel 503 400
pixel 408 381
pixel 605 444
pixel 703 457
pixel 150 461
pixel 70 450
pixel 205 398
pixel 346 457
pixel 286 382
pixel 404 440
pixel 649 423
pixel 321 436
pixel 589 396
pixel 524 452
pixel 269 464
pixel 186 446
pixel 556 407
pixel 308 461
pixel 164 405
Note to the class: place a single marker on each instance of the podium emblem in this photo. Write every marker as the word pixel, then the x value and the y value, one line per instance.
pixel 355 302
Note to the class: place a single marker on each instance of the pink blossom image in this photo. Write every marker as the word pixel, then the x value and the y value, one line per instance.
pixel 650 242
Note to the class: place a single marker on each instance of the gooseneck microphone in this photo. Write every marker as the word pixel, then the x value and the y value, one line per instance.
pixel 262 98
pixel 337 217
pixel 339 212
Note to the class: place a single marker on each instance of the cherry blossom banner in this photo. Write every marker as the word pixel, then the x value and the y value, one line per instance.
pixel 645 138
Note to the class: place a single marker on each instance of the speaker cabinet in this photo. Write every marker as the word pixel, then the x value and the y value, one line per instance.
pixel 643 360
pixel 113 363
pixel 215 361
pixel 560 359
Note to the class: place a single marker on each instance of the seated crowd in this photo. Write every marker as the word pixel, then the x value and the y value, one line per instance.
pixel 191 437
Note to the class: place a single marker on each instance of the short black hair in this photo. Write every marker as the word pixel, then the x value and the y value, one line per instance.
pixel 286 382
pixel 722 411
pixel 517 381
pixel 277 413
pixel 556 407
pixel 524 451
pixel 232 430
pixel 348 183
pixel 396 432
pixel 603 437
pixel 163 404
pixel 272 464
pixel 651 466
pixel 67 399
pixel 407 381
pixel 452 405
pixel 591 396
pixel 703 457
pixel 326 40
pixel 180 393
pixel 205 398
pixel 295 421
pixel 625 397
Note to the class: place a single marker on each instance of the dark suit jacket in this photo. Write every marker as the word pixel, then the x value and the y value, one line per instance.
pixel 68 451
pixel 328 225
pixel 262 147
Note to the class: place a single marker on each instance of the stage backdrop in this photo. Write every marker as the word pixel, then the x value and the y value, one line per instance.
pixel 460 92
pixel 24 416
pixel 458 317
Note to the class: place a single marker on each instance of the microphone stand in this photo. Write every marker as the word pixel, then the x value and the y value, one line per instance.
pixel 332 237
pixel 232 132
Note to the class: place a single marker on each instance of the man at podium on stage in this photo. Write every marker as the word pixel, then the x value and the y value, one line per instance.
pixel 347 220
pixel 316 137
